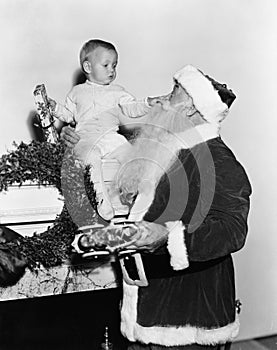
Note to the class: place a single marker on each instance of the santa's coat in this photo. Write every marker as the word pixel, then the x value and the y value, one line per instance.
pixel 204 200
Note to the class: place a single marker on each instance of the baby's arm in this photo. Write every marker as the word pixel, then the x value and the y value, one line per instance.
pixel 64 113
pixel 131 107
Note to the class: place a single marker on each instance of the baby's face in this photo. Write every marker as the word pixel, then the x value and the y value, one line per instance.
pixel 101 66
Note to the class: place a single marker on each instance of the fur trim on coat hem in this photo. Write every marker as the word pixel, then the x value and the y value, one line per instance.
pixel 169 335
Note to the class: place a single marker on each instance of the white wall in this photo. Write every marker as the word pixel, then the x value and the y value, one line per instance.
pixel 233 41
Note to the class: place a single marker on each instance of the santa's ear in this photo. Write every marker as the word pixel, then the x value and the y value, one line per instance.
pixel 87 67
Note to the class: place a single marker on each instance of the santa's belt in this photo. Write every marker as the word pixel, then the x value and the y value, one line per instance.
pixel 158 266
pixel 138 268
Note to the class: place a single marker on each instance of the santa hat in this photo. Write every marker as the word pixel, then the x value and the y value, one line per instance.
pixel 211 98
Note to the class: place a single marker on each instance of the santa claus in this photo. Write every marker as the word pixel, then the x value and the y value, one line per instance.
pixel 190 202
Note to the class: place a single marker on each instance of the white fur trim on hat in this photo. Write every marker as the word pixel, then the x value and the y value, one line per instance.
pixel 205 97
pixel 176 245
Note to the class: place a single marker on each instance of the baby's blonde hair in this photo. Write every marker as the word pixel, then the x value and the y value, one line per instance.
pixel 90 46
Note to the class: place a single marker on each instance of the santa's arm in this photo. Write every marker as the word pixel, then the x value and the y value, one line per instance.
pixel 224 229
pixel 203 227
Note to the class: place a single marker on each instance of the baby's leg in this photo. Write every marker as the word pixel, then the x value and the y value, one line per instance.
pixel 144 199
pixel 120 152
pixel 146 189
pixel 104 206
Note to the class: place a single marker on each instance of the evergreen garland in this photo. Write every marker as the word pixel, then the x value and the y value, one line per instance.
pixel 44 163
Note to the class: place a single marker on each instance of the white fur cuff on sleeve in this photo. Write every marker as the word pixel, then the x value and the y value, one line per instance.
pixel 176 245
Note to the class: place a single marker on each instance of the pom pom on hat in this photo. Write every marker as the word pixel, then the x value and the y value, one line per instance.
pixel 211 98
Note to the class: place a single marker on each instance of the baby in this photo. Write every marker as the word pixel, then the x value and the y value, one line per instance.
pixel 95 106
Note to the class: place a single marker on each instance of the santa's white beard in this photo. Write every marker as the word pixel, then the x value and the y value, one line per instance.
pixel 153 151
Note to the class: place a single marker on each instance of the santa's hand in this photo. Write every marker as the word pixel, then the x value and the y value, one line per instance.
pixel 69 136
pixel 150 236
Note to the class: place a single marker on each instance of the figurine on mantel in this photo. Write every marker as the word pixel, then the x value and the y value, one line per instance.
pixel 45 114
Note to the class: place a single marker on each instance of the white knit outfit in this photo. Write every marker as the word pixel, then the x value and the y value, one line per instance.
pixel 96 109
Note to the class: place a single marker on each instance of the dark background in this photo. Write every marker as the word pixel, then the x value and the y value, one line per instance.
pixel 72 321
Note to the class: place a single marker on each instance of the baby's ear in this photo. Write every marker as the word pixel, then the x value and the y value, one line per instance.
pixel 87 67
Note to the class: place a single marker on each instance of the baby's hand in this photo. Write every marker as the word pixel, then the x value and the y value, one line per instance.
pixel 163 101
pixel 152 101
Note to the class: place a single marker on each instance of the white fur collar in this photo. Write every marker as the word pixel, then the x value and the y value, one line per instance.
pixel 196 135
